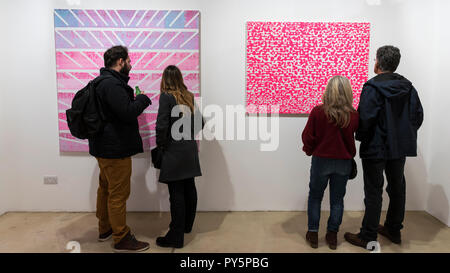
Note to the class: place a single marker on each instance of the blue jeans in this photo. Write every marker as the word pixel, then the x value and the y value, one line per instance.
pixel 337 172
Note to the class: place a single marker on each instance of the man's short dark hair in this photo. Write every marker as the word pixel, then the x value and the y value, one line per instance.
pixel 113 54
pixel 388 58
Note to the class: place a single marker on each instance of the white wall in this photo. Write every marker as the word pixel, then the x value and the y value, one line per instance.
pixel 439 171
pixel 4 184
pixel 237 176
pixel 425 37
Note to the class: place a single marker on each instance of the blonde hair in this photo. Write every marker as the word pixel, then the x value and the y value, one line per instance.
pixel 172 83
pixel 338 101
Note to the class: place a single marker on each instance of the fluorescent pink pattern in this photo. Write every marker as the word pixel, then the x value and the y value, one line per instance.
pixel 289 64
pixel 155 39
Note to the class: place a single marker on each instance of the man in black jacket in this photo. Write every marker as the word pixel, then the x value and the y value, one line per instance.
pixel 390 114
pixel 114 146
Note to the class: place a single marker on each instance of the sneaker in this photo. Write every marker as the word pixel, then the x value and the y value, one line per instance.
pixel 313 239
pixel 331 239
pixel 130 244
pixel 395 238
pixel 105 236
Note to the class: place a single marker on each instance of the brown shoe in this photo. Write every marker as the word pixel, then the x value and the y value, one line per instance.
pixel 313 239
pixel 355 240
pixel 396 239
pixel 331 239
pixel 130 244
pixel 105 236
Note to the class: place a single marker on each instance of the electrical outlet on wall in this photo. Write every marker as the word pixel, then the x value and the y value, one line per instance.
pixel 50 179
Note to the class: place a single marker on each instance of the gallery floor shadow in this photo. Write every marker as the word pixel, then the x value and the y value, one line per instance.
pixel 214 189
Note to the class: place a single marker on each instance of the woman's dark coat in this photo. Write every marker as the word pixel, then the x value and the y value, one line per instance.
pixel 180 157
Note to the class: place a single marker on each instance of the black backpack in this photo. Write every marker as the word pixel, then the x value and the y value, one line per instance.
pixel 86 118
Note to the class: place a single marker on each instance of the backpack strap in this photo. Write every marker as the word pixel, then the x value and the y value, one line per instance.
pixel 93 90
pixel 100 78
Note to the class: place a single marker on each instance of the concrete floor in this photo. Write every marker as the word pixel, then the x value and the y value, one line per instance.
pixel 249 232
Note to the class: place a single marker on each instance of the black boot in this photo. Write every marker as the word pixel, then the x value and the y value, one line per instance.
pixel 171 240
pixel 396 238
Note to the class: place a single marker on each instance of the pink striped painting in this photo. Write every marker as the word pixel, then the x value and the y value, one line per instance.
pixel 155 39
pixel 289 64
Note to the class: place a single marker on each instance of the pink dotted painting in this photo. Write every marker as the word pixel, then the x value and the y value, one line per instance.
pixel 289 63
pixel 155 39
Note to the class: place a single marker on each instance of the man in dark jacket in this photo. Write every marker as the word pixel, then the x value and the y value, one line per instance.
pixel 390 114
pixel 114 146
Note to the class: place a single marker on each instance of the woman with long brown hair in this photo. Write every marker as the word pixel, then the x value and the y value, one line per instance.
pixel 180 161
pixel 329 138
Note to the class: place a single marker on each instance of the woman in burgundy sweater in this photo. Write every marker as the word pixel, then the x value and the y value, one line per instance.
pixel 329 138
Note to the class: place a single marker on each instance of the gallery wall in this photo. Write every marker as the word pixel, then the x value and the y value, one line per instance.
pixel 4 185
pixel 5 188
pixel 236 174
pixel 439 187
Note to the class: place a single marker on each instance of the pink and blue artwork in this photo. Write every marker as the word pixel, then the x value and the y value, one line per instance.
pixel 155 39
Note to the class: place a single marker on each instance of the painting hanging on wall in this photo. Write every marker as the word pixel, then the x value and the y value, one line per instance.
pixel 155 39
pixel 289 63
